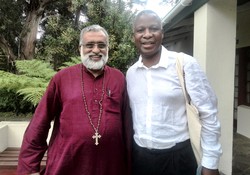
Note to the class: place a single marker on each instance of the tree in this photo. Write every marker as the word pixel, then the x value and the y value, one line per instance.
pixel 116 17
pixel 59 41
pixel 61 37
pixel 61 24
pixel 10 28
pixel 58 45
pixel 19 22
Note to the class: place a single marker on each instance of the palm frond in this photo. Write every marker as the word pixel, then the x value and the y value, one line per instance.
pixel 32 94
pixel 13 81
pixel 35 68
pixel 30 83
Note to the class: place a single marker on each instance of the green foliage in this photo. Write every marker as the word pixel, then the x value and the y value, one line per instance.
pixel 32 94
pixel 10 101
pixel 59 42
pixel 61 27
pixel 115 17
pixel 3 61
pixel 58 45
pixel 73 61
pixel 35 69
pixel 11 20
pixel 23 91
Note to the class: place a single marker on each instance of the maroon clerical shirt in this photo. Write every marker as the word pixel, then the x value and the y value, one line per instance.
pixel 71 149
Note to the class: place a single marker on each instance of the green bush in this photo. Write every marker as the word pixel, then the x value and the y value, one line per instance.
pixel 21 92
pixel 10 101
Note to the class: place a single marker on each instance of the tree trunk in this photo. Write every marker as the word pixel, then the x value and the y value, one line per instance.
pixel 8 52
pixel 6 48
pixel 28 36
pixel 29 33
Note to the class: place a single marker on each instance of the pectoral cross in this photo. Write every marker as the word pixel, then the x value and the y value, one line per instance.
pixel 96 137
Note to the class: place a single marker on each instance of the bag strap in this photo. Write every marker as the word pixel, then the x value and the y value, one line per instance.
pixel 181 74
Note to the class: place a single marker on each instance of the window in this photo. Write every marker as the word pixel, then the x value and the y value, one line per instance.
pixel 244 76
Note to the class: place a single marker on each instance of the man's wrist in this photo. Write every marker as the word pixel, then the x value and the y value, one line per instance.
pixel 206 171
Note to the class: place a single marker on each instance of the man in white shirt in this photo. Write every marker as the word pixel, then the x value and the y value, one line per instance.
pixel 161 138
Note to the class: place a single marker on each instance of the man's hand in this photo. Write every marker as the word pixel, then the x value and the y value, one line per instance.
pixel 206 171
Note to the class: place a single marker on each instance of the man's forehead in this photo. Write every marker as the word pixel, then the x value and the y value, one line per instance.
pixel 94 36
pixel 147 19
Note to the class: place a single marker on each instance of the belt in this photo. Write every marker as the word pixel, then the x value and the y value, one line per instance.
pixel 177 147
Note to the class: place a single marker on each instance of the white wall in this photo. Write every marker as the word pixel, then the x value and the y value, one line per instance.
pixel 15 133
pixel 11 134
pixel 3 137
pixel 243 120
pixel 214 48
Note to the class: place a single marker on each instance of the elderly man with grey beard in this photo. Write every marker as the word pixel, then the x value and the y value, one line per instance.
pixel 92 129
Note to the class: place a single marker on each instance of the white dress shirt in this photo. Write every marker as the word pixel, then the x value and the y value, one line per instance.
pixel 158 105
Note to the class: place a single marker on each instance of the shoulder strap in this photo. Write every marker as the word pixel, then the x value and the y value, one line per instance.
pixel 180 72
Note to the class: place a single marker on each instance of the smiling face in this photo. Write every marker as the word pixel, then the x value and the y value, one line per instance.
pixel 94 50
pixel 148 35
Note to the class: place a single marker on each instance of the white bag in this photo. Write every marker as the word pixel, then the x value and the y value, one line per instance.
pixel 194 124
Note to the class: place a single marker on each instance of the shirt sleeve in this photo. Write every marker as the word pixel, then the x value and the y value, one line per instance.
pixel 204 98
pixel 34 143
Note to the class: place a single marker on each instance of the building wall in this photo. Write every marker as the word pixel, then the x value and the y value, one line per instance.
pixel 181 45
pixel 11 134
pixel 214 47
pixel 244 120
pixel 243 26
pixel 242 113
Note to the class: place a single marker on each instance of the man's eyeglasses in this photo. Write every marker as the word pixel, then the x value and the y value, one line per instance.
pixel 92 45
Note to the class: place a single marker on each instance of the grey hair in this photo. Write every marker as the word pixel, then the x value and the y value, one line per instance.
pixel 93 28
pixel 143 12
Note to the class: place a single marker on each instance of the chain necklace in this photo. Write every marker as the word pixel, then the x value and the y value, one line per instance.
pixel 96 136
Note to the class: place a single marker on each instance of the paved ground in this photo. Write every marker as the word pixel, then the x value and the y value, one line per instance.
pixel 241 155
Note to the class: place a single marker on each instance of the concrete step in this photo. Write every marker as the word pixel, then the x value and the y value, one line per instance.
pixel 9 158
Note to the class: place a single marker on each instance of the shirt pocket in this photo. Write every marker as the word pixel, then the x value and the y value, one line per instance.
pixel 112 104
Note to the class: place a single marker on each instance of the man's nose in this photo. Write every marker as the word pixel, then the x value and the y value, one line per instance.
pixel 147 33
pixel 95 48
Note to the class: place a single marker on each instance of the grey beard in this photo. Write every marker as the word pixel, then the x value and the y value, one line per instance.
pixel 94 65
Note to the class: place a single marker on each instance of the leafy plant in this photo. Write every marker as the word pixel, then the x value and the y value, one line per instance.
pixel 57 46
pixel 73 61
pixel 23 91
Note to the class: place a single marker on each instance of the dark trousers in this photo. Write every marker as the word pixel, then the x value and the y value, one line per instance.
pixel 178 160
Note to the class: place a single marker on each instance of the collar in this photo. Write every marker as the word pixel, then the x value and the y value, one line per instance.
pixel 162 63
pixel 89 73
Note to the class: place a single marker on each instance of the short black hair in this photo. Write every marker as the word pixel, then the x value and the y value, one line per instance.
pixel 143 12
